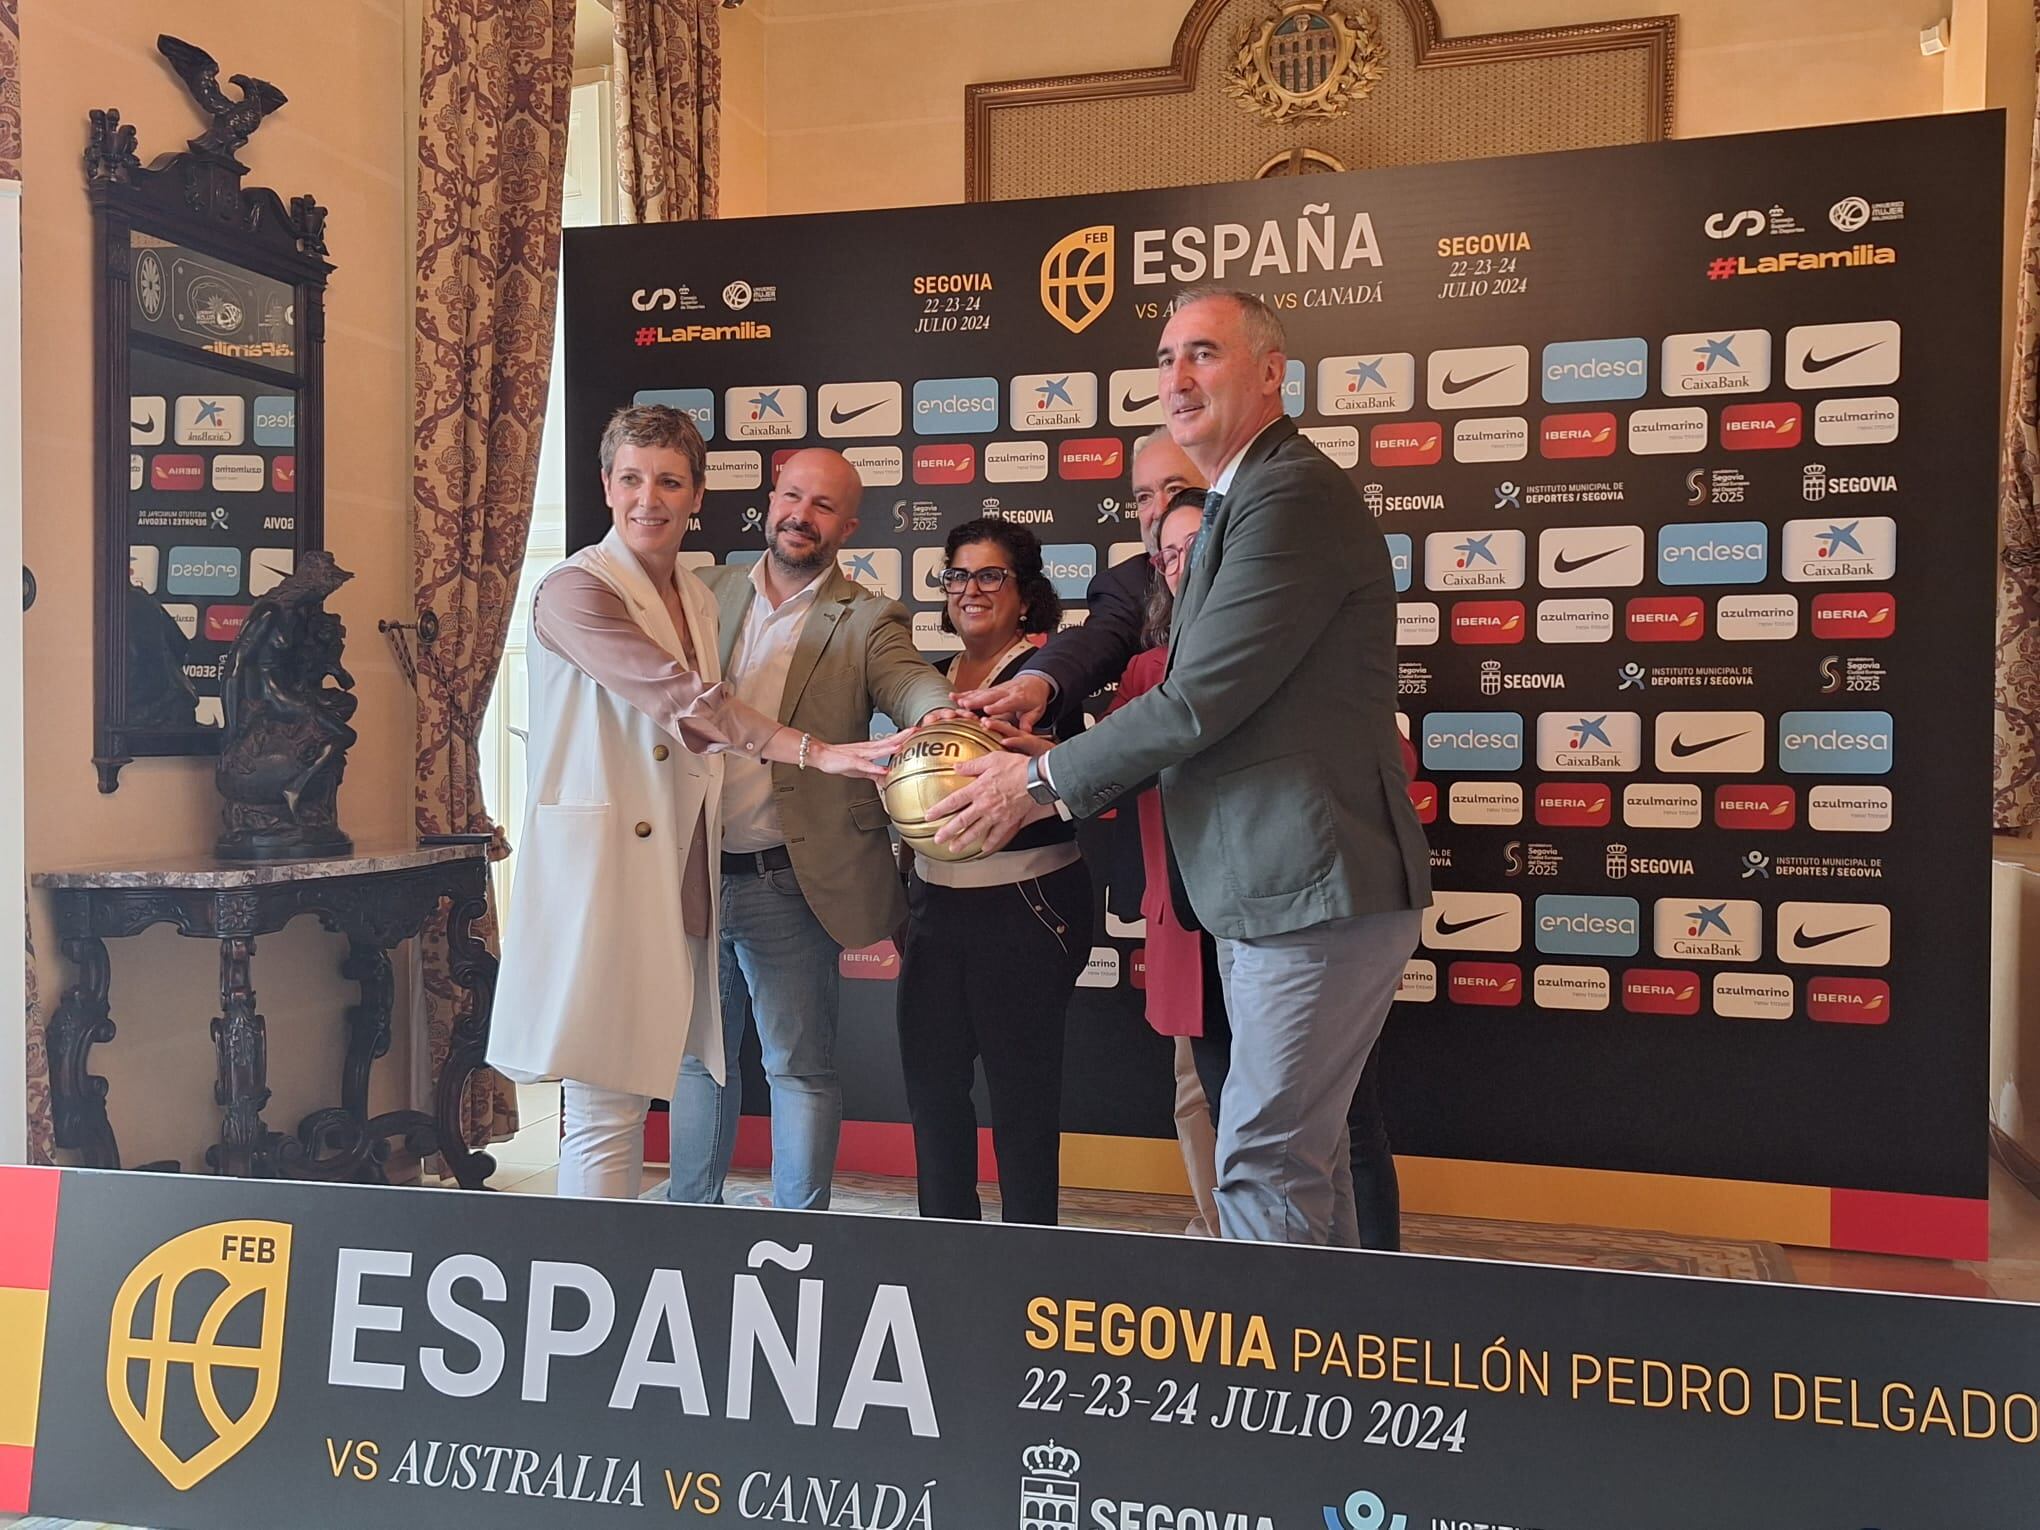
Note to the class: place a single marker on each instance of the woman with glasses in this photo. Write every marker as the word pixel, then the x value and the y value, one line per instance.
pixel 994 946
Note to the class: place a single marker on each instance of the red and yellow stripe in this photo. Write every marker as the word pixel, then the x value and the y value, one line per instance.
pixel 28 1242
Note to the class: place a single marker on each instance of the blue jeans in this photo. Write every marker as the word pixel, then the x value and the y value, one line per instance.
pixel 778 965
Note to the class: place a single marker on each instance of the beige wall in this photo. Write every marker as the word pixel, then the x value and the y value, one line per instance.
pixel 342 137
pixel 846 123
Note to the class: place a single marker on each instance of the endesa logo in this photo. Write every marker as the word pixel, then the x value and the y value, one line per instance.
pixel 1488 621
pixel 1761 427
pixel 956 406
pixel 698 404
pixel 1755 807
pixel 1660 991
pixel 1576 371
pixel 1714 552
pixel 1666 619
pixel 1870 614
pixel 951 463
pixel 1091 457
pixel 1848 1001
pixel 1494 983
pixel 1576 435
pixel 1399 558
pixel 1574 804
pixel 1480 741
pixel 1588 926
pixel 1835 743
pixel 1417 443
pixel 1424 798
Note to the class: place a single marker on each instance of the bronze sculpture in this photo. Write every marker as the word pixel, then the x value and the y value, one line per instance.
pixel 287 732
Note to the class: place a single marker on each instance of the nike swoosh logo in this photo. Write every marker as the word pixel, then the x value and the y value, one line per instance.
pixel 1801 941
pixel 1451 927
pixel 1564 565
pixel 144 423
pixel 1450 384
pixel 1681 749
pixel 1128 404
pixel 1822 363
pixel 838 417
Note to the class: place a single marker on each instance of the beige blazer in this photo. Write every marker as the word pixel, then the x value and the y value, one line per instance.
pixel 855 656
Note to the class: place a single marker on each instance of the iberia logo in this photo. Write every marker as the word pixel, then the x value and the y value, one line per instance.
pixel 232 1319
pixel 1076 277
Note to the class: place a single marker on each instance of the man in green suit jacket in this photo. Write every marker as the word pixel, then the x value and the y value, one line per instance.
pixel 807 864
pixel 1283 787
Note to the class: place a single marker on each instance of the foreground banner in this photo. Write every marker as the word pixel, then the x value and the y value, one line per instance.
pixel 183 1352
pixel 1685 455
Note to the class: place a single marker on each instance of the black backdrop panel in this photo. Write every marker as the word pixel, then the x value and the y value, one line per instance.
pixel 1692 446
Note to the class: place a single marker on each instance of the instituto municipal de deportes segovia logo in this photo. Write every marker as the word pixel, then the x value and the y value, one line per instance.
pixel 210 1300
pixel 1076 277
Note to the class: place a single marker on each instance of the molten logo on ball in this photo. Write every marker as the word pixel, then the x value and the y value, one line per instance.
pixel 924 773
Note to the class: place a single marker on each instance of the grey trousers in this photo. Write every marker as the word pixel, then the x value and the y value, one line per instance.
pixel 1306 1009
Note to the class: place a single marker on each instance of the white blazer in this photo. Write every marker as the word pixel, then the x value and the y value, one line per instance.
pixel 600 983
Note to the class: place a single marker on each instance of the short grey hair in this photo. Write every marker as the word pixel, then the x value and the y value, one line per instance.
pixel 1264 330
pixel 1142 442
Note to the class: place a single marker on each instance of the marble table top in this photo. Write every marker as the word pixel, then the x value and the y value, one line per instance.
pixel 204 872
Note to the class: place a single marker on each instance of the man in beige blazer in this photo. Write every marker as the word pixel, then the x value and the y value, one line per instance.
pixel 807 864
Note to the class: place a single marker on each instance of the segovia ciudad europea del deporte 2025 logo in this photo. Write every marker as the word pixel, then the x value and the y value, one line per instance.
pixel 194 1351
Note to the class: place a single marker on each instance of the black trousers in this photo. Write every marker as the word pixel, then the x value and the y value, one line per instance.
pixel 987 973
pixel 1377 1194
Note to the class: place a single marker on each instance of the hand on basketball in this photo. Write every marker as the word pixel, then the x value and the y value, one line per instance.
pixel 993 808
pixel 866 759
pixel 1019 740
pixel 1020 700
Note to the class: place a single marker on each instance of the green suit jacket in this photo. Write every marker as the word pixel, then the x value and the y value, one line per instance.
pixel 855 656
pixel 1274 731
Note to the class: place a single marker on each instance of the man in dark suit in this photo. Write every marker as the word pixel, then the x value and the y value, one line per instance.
pixel 1088 657
pixel 1284 791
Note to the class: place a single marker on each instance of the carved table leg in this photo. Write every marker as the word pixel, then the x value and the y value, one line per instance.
pixel 77 1097
pixel 242 1090
pixel 343 1143
pixel 473 967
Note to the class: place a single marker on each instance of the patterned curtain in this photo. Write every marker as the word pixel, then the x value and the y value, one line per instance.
pixel 2016 804
pixel 668 81
pixel 492 147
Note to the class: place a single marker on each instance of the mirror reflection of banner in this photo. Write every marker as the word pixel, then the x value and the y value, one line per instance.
pixel 1664 440
pixel 205 1353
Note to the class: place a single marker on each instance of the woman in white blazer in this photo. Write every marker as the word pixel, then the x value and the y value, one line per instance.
pixel 609 973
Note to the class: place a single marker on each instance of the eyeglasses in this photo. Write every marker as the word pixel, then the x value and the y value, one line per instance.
pixel 1172 558
pixel 989 581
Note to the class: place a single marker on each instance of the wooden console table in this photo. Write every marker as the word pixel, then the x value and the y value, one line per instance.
pixel 377 898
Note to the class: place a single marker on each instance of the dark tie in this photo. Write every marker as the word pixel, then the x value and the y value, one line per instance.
pixel 1212 500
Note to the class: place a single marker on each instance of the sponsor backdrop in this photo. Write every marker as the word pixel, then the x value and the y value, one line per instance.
pixel 1684 455
pixel 185 1352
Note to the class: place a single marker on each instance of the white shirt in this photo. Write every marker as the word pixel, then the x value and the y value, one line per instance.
pixel 1223 482
pixel 757 673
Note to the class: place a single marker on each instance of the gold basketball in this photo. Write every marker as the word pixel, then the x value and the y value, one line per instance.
pixel 923 773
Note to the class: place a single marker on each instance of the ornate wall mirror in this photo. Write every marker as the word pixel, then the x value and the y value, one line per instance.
pixel 209 331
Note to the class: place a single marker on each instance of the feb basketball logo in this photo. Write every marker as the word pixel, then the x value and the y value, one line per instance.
pixel 1076 277
pixel 194 1353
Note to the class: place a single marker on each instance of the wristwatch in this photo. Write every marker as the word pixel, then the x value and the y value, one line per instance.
pixel 1038 786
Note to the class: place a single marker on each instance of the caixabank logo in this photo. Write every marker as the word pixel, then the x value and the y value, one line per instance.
pixel 194 1349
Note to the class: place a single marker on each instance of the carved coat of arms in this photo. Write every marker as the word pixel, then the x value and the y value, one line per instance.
pixel 1313 59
